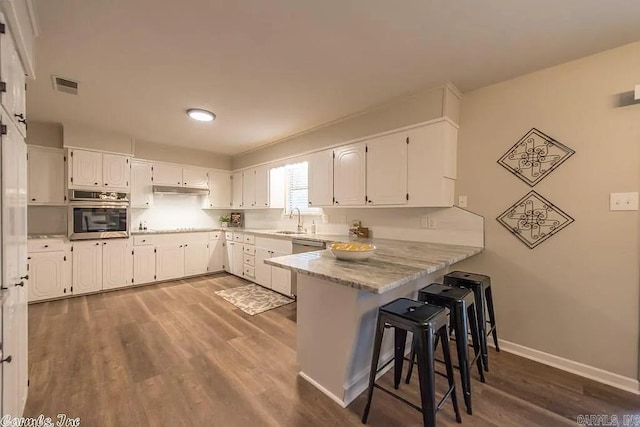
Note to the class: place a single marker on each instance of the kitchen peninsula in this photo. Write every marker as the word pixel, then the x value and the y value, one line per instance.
pixel 338 303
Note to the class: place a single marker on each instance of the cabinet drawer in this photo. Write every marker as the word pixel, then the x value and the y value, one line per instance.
pixel 249 272
pixel 249 239
pixel 249 260
pixel 228 235
pixel 215 235
pixel 145 240
pixel 46 245
pixel 249 250
pixel 238 237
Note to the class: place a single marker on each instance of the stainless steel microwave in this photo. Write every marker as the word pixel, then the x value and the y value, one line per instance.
pixel 98 215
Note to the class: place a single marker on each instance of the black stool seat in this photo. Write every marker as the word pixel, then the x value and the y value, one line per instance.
pixel 425 322
pixel 470 277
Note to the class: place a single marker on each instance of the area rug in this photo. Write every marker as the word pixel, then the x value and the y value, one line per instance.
pixel 254 299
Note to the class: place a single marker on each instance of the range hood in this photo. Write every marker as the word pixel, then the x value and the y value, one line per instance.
pixel 169 189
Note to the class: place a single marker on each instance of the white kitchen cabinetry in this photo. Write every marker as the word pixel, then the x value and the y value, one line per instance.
pixel 349 175
pixel 165 174
pixel 266 275
pixel 116 172
pixel 236 190
pixel 237 259
pixel 87 267
pixel 117 264
pixel 261 186
pixel 196 258
pixel 387 170
pixel 141 184
pixel 280 278
pixel 320 175
pixel 144 264
pixel 262 270
pixel 12 75
pixel 169 262
pixel 195 178
pixel 86 169
pixel 249 188
pixel 219 190
pixel 49 275
pixel 46 176
pixel 216 252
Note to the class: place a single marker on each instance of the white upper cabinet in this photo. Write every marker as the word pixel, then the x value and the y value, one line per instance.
pixel 236 190
pixel 261 185
pixel 23 28
pixel 164 174
pixel 87 267
pixel 86 168
pixel 141 184
pixel 387 170
pixel 321 178
pixel 349 174
pixel 195 178
pixel 117 264
pixel 219 190
pixel 46 176
pixel 116 171
pixel 249 188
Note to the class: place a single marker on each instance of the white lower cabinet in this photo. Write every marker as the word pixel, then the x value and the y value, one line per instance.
pixel 216 252
pixel 169 262
pixel 266 275
pixel 227 253
pixel 280 278
pixel 262 270
pixel 87 267
pixel 237 259
pixel 196 258
pixel 117 264
pixel 49 275
pixel 144 264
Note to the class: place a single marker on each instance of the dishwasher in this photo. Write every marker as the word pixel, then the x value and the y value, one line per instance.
pixel 301 246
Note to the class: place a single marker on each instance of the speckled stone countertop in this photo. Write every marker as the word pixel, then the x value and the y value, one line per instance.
pixel 254 231
pixel 195 230
pixel 394 264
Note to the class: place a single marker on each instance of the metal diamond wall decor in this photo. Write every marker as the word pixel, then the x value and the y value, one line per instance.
pixel 533 219
pixel 535 156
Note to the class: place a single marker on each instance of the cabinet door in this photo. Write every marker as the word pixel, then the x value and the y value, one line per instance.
pixel 144 264
pixel 49 275
pixel 216 256
pixel 263 271
pixel 227 262
pixel 116 172
pixel 349 172
pixel 48 163
pixel 141 185
pixel 236 189
pixel 261 185
pixel 249 188
pixel 117 264
pixel 196 258
pixel 321 178
pixel 164 174
pixel 237 263
pixel 195 178
pixel 219 189
pixel 12 74
pixel 387 170
pixel 280 278
pixel 86 168
pixel 87 267
pixel 169 262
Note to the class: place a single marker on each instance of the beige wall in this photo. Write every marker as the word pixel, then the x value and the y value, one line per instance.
pixel 420 107
pixel 167 153
pixel 576 295
pixel 80 136
pixel 45 134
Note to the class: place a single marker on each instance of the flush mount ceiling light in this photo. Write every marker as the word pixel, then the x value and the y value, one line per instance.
pixel 201 115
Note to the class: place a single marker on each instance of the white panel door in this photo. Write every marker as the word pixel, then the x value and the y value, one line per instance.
pixel 87 267
pixel 141 185
pixel 117 264
pixel 321 178
pixel 195 178
pixel 86 168
pixel 349 173
pixel 262 270
pixel 46 176
pixel 144 264
pixel 116 172
pixel 237 263
pixel 249 188
pixel 164 174
pixel 280 278
pixel 261 185
pixel 387 170
pixel 49 275
pixel 236 190
pixel 216 255
pixel 227 262
pixel 169 262
pixel 196 258
pixel 219 189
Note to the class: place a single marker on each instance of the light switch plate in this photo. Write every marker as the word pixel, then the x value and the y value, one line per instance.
pixel 462 201
pixel 623 201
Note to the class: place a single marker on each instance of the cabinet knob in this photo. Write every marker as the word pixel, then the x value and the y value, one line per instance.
pixel 310 203
pixel 147 203
pixel 21 284
pixel 7 359
pixel 105 184
pixel 95 183
pixel 33 200
pixel 20 115
pixel 98 244
pixel 25 277
pixel 46 246
pixel 370 201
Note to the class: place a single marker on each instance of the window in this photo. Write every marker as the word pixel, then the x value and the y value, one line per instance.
pixel 297 184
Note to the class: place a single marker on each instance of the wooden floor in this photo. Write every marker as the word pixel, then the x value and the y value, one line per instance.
pixel 176 354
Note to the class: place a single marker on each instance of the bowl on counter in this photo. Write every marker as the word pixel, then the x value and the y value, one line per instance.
pixel 352 251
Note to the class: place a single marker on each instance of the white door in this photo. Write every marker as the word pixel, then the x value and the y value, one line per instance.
pixel 262 270
pixel 236 189
pixel 321 178
pixel 216 255
pixel 87 267
pixel 19 110
pixel 144 264
pixel 117 264
pixel 164 174
pixel 280 278
pixel 195 178
pixel 261 184
pixel 349 173
pixel 228 256
pixel 169 262
pixel 249 188
pixel 387 170
pixel 196 258
pixel 219 189
pixel 141 185
pixel 49 275
pixel 116 172
pixel 237 263
pixel 12 97
pixel 86 168
pixel 46 176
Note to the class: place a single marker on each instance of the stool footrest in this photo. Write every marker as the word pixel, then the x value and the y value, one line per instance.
pixel 389 392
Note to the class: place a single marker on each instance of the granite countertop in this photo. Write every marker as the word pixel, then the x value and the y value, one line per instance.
pixel 254 231
pixel 394 264
pixel 46 236
pixel 150 231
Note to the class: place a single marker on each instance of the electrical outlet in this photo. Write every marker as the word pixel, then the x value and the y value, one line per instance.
pixel 462 201
pixel 428 222
pixel 623 201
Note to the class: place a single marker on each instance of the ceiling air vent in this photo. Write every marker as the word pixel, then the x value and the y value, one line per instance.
pixel 65 85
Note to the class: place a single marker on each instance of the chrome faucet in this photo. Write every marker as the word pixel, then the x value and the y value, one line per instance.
pixel 299 218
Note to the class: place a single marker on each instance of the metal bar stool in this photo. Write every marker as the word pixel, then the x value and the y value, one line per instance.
pixel 460 303
pixel 481 287
pixel 425 322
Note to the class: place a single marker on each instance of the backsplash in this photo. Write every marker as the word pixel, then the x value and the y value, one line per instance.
pixel 175 211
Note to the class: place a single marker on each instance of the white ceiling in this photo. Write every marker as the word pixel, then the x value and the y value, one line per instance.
pixel 270 69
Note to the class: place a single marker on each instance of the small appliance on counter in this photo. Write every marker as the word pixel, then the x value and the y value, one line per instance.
pixel 237 219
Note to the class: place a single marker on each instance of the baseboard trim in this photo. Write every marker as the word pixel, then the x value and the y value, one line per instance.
pixel 600 375
pixel 322 389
